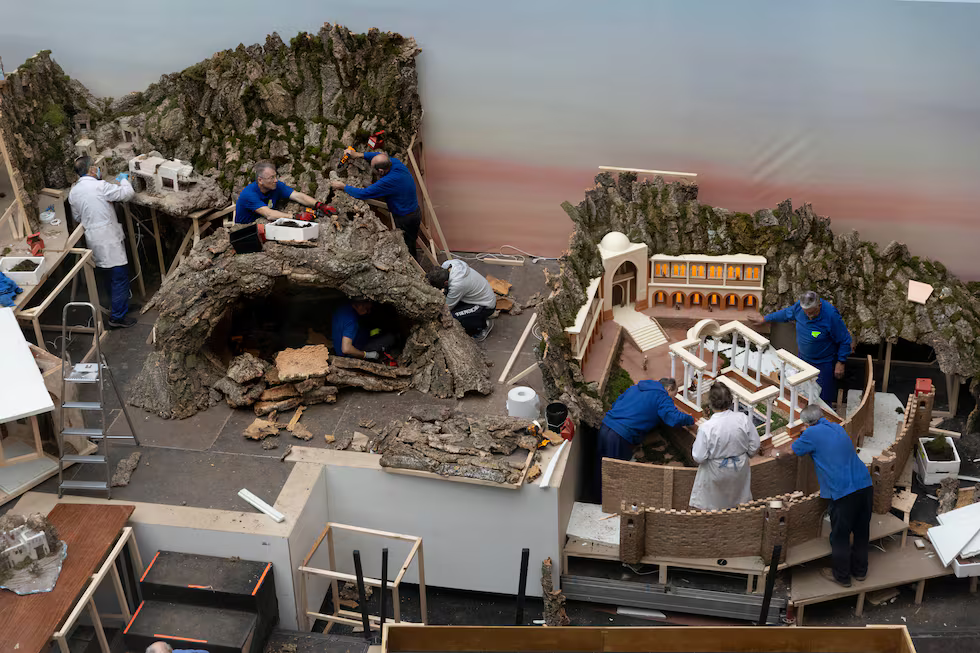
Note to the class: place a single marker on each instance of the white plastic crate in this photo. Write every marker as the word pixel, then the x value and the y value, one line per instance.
pixel 20 278
pixel 931 472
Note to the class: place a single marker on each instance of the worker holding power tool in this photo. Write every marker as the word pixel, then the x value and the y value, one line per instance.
pixel 262 196
pixel 395 186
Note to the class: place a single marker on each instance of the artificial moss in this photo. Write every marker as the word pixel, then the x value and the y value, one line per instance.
pixel 619 382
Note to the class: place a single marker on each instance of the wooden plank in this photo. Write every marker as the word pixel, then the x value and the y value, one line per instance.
pixel 156 238
pixel 520 375
pixel 881 526
pixel 428 202
pixel 502 261
pixel 517 349
pixel 671 173
pixel 27 622
pixel 180 253
pixel 337 575
pixel 131 231
pixel 663 639
pixel 888 367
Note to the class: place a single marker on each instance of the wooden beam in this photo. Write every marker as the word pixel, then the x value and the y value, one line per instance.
pixel 133 246
pixel 428 200
pixel 649 172
pixel 502 261
pixel 517 377
pixel 517 349
pixel 888 367
pixel 156 237
pixel 180 253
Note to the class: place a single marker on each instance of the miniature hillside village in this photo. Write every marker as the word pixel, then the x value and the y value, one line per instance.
pixel 653 284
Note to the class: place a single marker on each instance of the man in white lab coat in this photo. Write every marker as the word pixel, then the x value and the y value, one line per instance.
pixel 725 443
pixel 90 199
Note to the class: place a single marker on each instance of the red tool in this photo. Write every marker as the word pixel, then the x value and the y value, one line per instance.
pixel 376 140
pixel 388 359
pixel 36 244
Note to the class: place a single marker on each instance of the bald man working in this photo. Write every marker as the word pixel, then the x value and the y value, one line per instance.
pixel 396 187
pixel 163 647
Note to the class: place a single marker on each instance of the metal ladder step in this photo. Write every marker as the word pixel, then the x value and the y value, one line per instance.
pixel 83 373
pixel 84 485
pixel 83 405
pixel 88 433
pixel 73 458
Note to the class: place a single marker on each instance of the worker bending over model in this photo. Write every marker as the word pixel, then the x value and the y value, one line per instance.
pixel 639 410
pixel 725 443
pixel 469 296
pixel 90 199
pixel 822 338
pixel 396 187
pixel 262 196
pixel 846 482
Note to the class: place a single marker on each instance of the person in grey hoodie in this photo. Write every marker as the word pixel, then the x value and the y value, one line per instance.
pixel 469 296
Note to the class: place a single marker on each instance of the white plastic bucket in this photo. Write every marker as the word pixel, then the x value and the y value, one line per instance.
pixel 523 402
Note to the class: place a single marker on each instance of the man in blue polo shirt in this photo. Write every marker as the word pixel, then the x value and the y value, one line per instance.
pixel 351 338
pixel 846 482
pixel 396 187
pixel 639 410
pixel 262 196
pixel 822 338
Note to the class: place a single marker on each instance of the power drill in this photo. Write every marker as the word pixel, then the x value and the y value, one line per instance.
pixel 321 210
pixel 345 160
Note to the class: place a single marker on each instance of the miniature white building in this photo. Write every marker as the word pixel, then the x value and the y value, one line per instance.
pixel 161 175
pixel 626 272
pixel 20 544
pixel 723 282
pixel 85 147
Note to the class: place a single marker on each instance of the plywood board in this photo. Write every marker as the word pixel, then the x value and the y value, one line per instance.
pixel 965 518
pixel 588 522
pixel 950 539
pixel 881 526
pixel 895 566
pixel 22 390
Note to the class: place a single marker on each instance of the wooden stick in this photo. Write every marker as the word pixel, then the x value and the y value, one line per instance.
pixel 650 172
pixel 517 349
pixel 502 261
pixel 422 602
pixel 428 201
pixel 133 246
pixel 156 237
pixel 514 379
pixel 180 253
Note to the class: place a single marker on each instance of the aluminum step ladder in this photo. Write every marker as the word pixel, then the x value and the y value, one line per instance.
pixel 88 373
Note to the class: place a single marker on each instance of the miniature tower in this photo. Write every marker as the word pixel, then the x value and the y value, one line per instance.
pixel 774 531
pixel 632 533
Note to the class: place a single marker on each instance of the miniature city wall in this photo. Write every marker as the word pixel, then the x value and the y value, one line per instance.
pixel 654 500
pixel 888 466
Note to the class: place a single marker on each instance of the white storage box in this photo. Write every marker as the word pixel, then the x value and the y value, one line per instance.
pixel 289 229
pixel 20 278
pixel 931 472
pixel 965 569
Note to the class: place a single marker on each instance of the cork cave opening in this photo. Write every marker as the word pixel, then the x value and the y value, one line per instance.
pixel 293 316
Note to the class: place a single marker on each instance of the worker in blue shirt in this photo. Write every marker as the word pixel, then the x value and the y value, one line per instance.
pixel 633 415
pixel 351 338
pixel 396 187
pixel 262 196
pixel 846 482
pixel 822 338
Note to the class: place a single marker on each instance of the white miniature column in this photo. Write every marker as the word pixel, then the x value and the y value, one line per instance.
pixel 758 370
pixel 687 380
pixel 700 377
pixel 768 416
pixel 735 402
pixel 792 403
pixel 673 365
pixel 701 349
pixel 714 362
pixel 734 349
pixel 782 377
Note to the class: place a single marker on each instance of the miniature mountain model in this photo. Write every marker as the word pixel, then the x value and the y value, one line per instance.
pixel 30 554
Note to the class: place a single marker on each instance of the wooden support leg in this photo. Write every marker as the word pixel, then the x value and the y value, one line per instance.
pixel 304 618
pixel 74 288
pixel 919 591
pixel 156 237
pixel 422 598
pixel 663 574
pixel 93 296
pixel 62 644
pixel 888 367
pixel 396 604
pixel 120 594
pixel 37 437
pixel 134 552
pixel 973 584
pixel 135 249
pixel 36 321
pixel 799 615
pixel 197 231
pixel 859 608
pixel 749 582
pixel 93 612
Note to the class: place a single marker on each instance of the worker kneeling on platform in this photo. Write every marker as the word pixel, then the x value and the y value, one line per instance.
pixel 639 410
pixel 469 296
pixel 845 480
pixel 725 443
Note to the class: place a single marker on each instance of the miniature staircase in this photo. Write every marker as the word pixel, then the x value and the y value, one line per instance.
pixel 642 329
pixel 222 605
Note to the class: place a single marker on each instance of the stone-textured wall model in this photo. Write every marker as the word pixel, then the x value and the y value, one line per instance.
pixel 866 283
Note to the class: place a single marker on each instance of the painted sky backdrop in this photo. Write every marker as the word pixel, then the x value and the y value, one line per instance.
pixel 870 110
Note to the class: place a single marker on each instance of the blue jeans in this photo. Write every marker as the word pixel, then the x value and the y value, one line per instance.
pixel 827 381
pixel 118 281
pixel 611 445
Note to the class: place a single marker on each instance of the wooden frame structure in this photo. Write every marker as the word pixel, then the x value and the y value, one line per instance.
pixel 350 617
pixel 656 639
pixel 87 599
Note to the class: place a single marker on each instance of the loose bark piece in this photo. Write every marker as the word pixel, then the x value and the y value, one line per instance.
pixel 309 384
pixel 246 368
pixel 266 407
pixel 300 364
pixel 499 286
pixel 377 369
pixel 360 442
pixel 323 394
pixel 300 431
pixel 279 392
pixel 504 304
pixel 238 395
pixel 296 416
pixel 329 438
pixel 534 472
pixel 125 469
pixel 270 443
pixel 554 600
pixel 359 379
pixel 260 428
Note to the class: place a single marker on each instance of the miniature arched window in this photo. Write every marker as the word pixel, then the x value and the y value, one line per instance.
pixel 731 300
pixel 749 300
pixel 678 299
pixel 660 297
pixel 695 299
pixel 714 299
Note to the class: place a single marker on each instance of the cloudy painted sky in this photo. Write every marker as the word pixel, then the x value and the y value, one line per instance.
pixel 869 110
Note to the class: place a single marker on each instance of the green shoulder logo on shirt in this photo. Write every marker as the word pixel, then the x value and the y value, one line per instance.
pixel 815 334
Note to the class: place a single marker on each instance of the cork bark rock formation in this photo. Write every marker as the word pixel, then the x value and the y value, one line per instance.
pixel 360 258
pixel 867 283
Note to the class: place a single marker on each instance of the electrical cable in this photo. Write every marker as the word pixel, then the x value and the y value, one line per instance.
pixel 507 257
pixel 655 570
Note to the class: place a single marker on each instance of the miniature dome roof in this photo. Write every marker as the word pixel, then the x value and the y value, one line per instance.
pixel 615 241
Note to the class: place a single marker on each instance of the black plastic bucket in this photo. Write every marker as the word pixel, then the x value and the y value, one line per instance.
pixel 556 414
pixel 246 239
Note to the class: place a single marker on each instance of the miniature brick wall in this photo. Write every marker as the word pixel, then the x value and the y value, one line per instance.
pixel 632 533
pixel 700 534
pixel 886 467
pixel 805 519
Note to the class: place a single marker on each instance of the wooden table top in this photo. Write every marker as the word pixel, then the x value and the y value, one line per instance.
pixel 89 530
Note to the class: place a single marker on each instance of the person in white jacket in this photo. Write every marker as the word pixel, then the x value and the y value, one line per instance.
pixel 469 296
pixel 725 443
pixel 90 199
